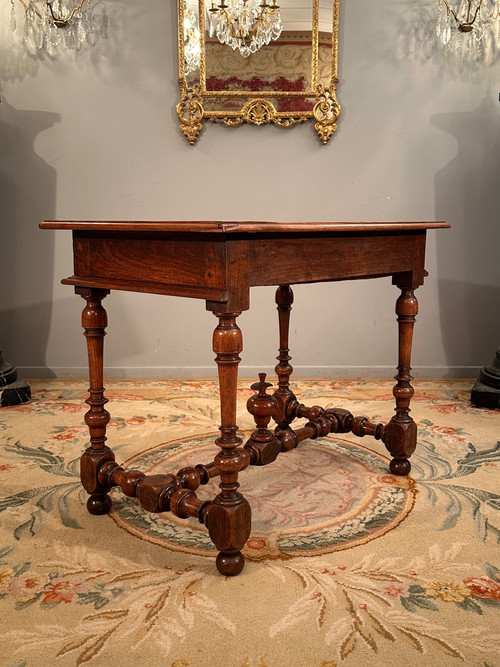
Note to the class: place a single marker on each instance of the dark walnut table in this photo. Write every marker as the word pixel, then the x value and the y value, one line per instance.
pixel 219 262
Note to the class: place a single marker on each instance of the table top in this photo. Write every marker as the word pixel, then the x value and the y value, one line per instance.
pixel 235 227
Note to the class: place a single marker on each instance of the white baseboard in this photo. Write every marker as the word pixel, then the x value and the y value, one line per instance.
pixel 169 372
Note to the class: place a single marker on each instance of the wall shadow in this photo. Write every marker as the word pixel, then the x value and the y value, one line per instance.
pixel 468 261
pixel 469 322
pixel 27 193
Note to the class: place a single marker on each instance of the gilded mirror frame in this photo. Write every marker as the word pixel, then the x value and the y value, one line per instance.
pixel 259 107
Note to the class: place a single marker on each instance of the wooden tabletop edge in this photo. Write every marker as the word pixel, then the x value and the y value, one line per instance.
pixel 233 227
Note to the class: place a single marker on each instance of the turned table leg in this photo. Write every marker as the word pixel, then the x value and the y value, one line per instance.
pixel 228 518
pixel 400 434
pixel 283 394
pixel 94 322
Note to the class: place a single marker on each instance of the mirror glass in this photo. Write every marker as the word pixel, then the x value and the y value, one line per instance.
pixel 259 62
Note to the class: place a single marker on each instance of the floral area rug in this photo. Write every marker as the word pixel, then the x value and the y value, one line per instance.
pixel 346 565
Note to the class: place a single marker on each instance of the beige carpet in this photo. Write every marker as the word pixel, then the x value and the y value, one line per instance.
pixel 346 565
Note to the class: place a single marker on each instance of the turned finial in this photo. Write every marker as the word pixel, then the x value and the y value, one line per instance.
pixel 261 385
pixel 261 405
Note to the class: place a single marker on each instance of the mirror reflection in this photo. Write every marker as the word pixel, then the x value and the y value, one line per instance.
pixel 258 61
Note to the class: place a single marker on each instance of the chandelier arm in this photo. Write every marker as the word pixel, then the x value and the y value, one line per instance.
pixel 228 20
pixel 61 21
pixel 476 12
pixel 469 7
pixel 451 10
pixel 26 8
pixel 257 22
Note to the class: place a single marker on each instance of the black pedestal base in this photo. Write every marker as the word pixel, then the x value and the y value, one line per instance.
pixel 483 396
pixel 15 393
pixel 486 392
pixel 12 390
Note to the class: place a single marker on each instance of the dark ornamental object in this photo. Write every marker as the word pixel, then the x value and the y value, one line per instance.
pixel 12 390
pixel 486 392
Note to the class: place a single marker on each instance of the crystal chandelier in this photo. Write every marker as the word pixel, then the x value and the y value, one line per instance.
pixel 245 25
pixel 49 24
pixel 470 30
pixel 192 46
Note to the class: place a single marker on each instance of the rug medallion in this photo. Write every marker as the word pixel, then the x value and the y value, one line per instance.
pixel 324 496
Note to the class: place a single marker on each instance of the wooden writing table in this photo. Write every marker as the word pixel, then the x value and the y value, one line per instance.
pixel 219 262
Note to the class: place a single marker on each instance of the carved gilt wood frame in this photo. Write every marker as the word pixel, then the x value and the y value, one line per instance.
pixel 258 108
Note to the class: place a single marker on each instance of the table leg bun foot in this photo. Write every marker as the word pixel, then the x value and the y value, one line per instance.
pixel 230 564
pixel 99 504
pixel 400 467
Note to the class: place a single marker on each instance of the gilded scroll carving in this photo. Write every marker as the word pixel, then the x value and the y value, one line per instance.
pixel 260 112
pixel 326 111
pixel 190 111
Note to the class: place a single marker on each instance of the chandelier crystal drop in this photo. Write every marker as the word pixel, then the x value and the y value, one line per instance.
pixel 470 29
pixel 51 24
pixel 245 25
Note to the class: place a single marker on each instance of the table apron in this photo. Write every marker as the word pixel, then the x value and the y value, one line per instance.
pixel 222 268
pixel 290 260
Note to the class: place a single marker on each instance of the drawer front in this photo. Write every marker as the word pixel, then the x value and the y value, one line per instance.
pixel 166 260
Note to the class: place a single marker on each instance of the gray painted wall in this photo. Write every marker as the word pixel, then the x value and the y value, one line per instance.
pixel 95 136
